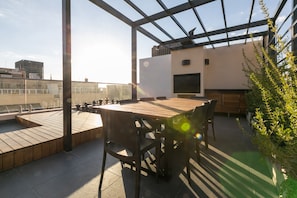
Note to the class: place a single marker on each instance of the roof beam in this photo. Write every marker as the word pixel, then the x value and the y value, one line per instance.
pixel 279 9
pixel 235 38
pixel 250 18
pixel 172 17
pixel 200 21
pixel 149 35
pixel 174 10
pixel 123 18
pixel 221 31
pixel 225 21
pixel 112 11
pixel 130 3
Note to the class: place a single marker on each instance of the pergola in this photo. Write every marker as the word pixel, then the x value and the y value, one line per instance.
pixel 175 24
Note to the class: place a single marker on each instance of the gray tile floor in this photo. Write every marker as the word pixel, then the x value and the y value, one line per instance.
pixel 231 167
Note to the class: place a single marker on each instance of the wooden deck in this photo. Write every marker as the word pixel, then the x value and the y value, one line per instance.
pixel 44 136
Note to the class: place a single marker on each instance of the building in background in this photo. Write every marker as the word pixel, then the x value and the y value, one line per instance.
pixel 11 73
pixel 160 50
pixel 33 69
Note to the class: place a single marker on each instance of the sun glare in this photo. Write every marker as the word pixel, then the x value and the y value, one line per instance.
pixel 100 61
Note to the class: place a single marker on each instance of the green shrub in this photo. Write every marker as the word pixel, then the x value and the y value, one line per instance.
pixel 273 99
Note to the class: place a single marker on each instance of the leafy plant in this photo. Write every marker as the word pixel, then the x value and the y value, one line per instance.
pixel 273 99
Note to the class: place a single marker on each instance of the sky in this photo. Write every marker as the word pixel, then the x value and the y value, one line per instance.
pixel 101 44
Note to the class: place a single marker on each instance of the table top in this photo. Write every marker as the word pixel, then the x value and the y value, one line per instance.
pixel 157 108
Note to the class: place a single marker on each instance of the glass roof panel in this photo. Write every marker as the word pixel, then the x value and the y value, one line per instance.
pixel 208 46
pixel 125 9
pixel 189 21
pixel 237 12
pixel 257 29
pixel 258 12
pixel 237 33
pixel 155 31
pixel 211 20
pixel 171 27
pixel 237 42
pixel 148 7
pixel 218 36
pixel 220 45
pixel 284 22
pixel 173 3
pixel 201 40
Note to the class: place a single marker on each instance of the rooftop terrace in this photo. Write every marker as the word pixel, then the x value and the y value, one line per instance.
pixel 231 167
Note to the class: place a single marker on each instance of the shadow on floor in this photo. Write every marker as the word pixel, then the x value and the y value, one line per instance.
pixel 230 167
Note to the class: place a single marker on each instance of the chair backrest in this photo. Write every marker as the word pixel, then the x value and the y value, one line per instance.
pixel 119 128
pixel 161 97
pixel 199 118
pixel 147 99
pixel 128 101
pixel 211 109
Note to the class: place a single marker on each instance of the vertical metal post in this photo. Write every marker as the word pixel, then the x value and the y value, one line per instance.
pixel 294 18
pixel 134 63
pixel 66 26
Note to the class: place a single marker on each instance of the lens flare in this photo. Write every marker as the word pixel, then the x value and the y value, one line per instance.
pixel 185 126
pixel 198 136
pixel 181 123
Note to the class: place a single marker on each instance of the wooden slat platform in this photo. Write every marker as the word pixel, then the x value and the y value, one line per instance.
pixel 44 136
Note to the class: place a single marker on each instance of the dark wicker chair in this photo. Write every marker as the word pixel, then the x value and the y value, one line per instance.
pixel 197 132
pixel 147 99
pixel 210 115
pixel 124 141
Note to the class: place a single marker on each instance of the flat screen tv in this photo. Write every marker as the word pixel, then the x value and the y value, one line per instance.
pixel 186 83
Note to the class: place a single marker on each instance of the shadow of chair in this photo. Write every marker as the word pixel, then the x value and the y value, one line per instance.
pixel 124 141
pixel 210 115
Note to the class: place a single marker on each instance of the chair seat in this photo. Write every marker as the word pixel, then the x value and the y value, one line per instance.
pixel 145 145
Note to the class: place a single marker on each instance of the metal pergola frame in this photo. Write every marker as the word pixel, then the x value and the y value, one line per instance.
pixel 183 42
pixel 176 43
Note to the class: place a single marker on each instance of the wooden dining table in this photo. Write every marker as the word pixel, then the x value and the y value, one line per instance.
pixel 160 109
pixel 163 110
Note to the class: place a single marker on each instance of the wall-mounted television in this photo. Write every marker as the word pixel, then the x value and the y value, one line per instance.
pixel 186 83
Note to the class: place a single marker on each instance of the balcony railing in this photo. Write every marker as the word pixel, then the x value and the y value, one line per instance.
pixel 19 94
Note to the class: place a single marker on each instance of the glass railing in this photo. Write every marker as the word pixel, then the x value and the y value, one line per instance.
pixel 28 95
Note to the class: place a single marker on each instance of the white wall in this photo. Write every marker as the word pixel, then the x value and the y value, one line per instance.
pixel 155 77
pixel 225 69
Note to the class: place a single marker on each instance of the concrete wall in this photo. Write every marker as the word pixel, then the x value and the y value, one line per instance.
pixel 155 77
pixel 196 57
pixel 224 71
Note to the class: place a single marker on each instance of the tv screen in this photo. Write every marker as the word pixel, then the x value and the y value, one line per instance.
pixel 186 83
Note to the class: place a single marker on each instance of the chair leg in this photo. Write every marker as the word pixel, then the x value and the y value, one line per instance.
pixel 197 143
pixel 102 169
pixel 213 132
pixel 137 178
pixel 206 138
pixel 188 162
pixel 158 158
